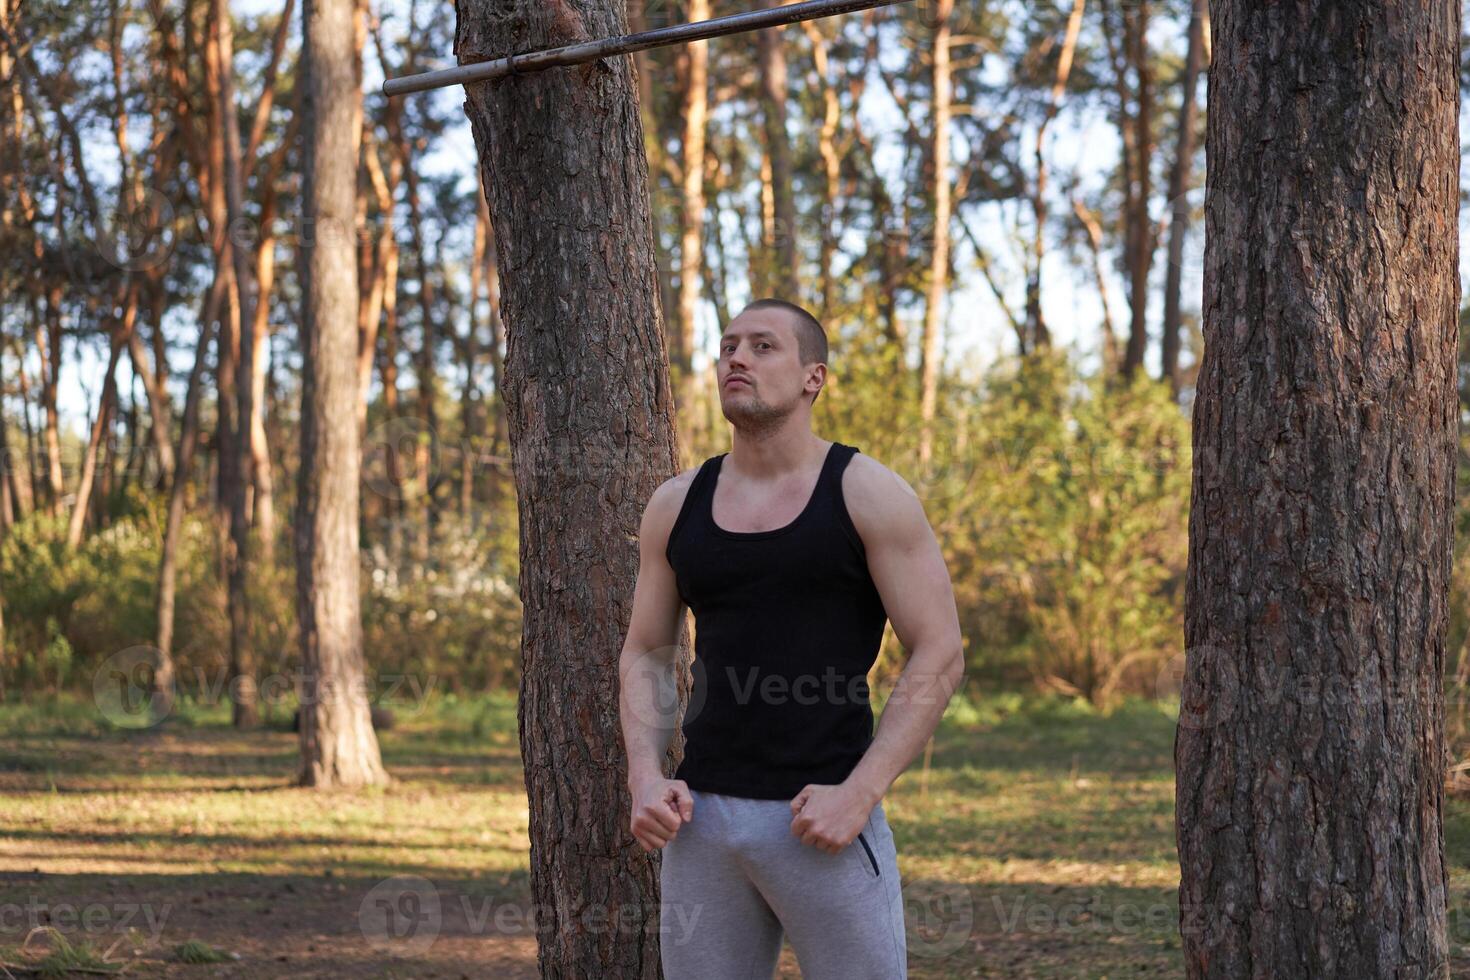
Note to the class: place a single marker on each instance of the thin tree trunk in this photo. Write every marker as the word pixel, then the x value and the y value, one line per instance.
pixel 33 465
pixel 1110 355
pixel 658 157
pixel 771 44
pixel 939 255
pixel 338 744
pixel 1139 246
pixel 1310 752
pixel 831 165
pixel 10 510
pixel 48 345
pixel 237 554
pixel 160 413
pixel 380 295
pixel 261 512
pixel 261 505
pixel 569 142
pixel 1035 323
pixel 426 377
pixel 165 674
pixel 1178 190
pixel 227 369
pixel 691 251
pixel 717 283
pixel 762 262
pixel 118 340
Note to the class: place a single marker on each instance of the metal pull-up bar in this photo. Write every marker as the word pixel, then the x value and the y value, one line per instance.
pixel 576 54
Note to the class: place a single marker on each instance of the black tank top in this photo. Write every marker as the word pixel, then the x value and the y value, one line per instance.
pixel 787 625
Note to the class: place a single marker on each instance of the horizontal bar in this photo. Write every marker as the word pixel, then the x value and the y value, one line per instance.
pixel 576 54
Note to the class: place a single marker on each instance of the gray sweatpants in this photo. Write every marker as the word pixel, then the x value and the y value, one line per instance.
pixel 735 878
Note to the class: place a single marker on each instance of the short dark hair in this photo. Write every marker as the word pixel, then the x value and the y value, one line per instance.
pixel 811 337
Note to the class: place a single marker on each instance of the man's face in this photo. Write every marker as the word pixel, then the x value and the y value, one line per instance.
pixel 761 377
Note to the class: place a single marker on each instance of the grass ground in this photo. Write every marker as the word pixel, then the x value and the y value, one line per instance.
pixel 1043 847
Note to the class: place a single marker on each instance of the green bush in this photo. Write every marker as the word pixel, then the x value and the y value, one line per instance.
pixel 453 622
pixel 1078 526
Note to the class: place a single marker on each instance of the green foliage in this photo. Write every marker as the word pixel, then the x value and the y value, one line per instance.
pixel 63 959
pixel 1060 502
pixel 1078 529
pixel 66 608
pixel 453 621
pixel 195 951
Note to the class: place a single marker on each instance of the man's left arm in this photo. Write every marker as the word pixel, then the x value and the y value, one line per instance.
pixel 909 571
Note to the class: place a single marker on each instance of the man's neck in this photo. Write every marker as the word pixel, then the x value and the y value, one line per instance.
pixel 775 454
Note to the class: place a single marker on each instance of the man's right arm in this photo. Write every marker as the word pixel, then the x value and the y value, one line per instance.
pixel 647 698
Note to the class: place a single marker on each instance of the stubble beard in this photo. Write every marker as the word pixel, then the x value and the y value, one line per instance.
pixel 754 417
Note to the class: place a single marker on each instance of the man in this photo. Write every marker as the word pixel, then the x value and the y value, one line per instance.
pixel 792 552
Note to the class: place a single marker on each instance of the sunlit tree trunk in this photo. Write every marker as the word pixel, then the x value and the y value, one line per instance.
pixel 338 744
pixel 1036 328
pixel 1179 180
pixel 579 318
pixel 1310 752
pixel 781 246
pixel 118 332
pixel 691 242
pixel 940 112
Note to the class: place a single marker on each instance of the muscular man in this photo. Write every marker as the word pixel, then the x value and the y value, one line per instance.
pixel 792 552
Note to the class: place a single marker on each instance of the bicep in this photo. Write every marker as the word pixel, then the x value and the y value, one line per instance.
pixel 658 611
pixel 908 569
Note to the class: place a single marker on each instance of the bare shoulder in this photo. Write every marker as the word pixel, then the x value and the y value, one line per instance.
pixel 664 503
pixel 882 505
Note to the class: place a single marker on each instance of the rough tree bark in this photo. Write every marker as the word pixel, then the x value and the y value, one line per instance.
pixel 1310 753
pixel 338 745
pixel 589 409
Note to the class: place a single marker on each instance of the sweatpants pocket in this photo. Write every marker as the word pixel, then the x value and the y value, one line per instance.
pixel 869 851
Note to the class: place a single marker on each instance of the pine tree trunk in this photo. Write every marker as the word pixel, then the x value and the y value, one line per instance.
pixel 338 745
pixel 691 250
pixel 785 278
pixel 1036 327
pixel 119 333
pixel 237 553
pixel 165 673
pixel 48 344
pixel 1178 190
pixel 160 413
pixel 1310 752
pixel 939 255
pixel 591 431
